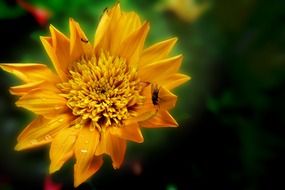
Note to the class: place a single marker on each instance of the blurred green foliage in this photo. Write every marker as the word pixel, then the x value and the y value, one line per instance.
pixel 8 11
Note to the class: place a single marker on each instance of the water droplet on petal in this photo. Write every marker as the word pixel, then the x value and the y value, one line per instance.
pixel 57 107
pixel 47 137
pixel 86 142
pixel 60 120
pixel 83 150
pixel 77 126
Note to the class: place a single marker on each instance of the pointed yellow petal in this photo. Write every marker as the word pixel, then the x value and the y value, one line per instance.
pixel 147 93
pixel 159 70
pixel 34 125
pixel 166 99
pixel 102 144
pixel 113 146
pixel 47 43
pixel 174 80
pixel 161 119
pixel 106 30
pixel 43 102
pixel 114 28
pixel 124 27
pixel 79 44
pixel 86 161
pixel 95 164
pixel 157 51
pixel 25 88
pixel 41 131
pixel 130 131
pixel 61 50
pixel 101 32
pixel 117 149
pixel 30 72
pixel 61 148
pixel 132 47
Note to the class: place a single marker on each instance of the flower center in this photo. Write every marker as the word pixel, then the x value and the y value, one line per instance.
pixel 103 89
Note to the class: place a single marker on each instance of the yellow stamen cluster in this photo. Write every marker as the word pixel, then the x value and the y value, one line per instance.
pixel 103 89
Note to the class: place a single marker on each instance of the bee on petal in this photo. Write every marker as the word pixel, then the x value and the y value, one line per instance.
pixel 155 95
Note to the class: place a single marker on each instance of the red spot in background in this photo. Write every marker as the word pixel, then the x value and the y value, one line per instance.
pixel 5 182
pixel 41 15
pixel 50 185
pixel 136 167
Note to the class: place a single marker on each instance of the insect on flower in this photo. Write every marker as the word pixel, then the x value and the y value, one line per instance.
pixel 154 96
pixel 84 40
pixel 100 94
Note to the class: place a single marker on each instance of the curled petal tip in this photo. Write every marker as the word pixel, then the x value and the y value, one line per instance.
pixel 18 147
pixel 188 78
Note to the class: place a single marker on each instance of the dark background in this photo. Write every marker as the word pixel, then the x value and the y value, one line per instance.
pixel 231 113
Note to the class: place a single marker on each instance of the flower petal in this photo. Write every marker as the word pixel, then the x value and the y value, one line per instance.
pixel 31 72
pixel 158 71
pixel 130 131
pixel 161 119
pixel 117 149
pixel 101 31
pixel 62 148
pixel 48 45
pixel 166 99
pixel 43 102
pixel 113 146
pixel 95 164
pixel 147 109
pixel 114 27
pixel 25 88
pixel 125 26
pixel 107 29
pixel 86 161
pixel 157 51
pixel 174 80
pixel 61 50
pixel 41 131
pixel 79 44
pixel 132 47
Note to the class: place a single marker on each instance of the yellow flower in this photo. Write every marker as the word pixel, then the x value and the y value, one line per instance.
pixel 101 93
pixel 186 10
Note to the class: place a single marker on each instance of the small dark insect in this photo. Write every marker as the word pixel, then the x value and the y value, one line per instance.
pixel 106 9
pixel 84 40
pixel 154 96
